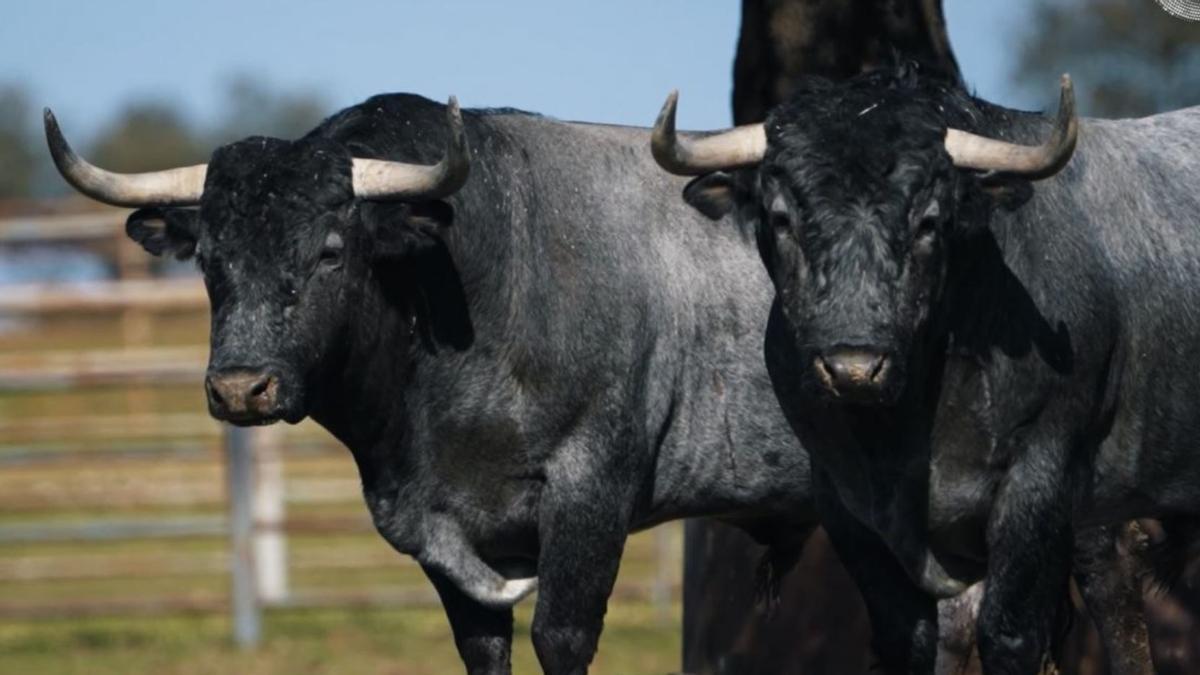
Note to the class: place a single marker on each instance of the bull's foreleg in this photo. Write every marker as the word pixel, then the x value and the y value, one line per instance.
pixel 1109 569
pixel 1029 561
pixel 582 535
pixel 957 618
pixel 904 618
pixel 482 634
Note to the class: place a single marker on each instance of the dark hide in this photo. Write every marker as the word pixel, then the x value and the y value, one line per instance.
pixel 782 40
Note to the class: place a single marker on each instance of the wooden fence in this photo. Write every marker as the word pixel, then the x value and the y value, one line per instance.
pixel 110 383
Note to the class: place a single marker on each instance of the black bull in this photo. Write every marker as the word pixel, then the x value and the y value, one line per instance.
pixel 980 368
pixel 555 355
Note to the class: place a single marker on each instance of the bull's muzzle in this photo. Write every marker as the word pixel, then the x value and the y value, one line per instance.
pixel 854 375
pixel 243 396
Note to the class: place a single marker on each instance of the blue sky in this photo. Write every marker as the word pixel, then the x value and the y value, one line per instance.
pixel 611 61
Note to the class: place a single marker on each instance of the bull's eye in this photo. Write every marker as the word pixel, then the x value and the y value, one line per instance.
pixel 778 215
pixel 331 252
pixel 928 226
pixel 930 220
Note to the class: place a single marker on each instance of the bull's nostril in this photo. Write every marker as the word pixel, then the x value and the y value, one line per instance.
pixel 825 373
pixel 878 369
pixel 213 393
pixel 260 387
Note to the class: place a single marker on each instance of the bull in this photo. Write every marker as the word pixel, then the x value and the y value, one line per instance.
pixel 525 366
pixel 983 338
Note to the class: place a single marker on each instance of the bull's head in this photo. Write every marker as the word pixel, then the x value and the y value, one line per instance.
pixel 856 191
pixel 286 234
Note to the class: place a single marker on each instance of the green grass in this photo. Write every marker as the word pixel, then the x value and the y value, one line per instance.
pixel 389 642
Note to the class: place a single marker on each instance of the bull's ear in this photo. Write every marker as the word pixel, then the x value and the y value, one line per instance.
pixel 711 194
pixel 164 231
pixel 1006 192
pixel 403 229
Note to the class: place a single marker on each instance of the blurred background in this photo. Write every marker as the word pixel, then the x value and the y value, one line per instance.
pixel 121 501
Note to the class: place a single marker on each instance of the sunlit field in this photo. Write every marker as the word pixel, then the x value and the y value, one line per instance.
pixel 637 639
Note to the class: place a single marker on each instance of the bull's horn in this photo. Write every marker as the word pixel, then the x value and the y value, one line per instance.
pixel 970 151
pixel 171 187
pixel 381 179
pixel 732 149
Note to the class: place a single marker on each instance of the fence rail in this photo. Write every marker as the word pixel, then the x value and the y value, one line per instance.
pixel 87 227
pixel 146 295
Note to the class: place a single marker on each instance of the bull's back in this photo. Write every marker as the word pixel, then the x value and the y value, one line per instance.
pixel 1139 208
pixel 682 302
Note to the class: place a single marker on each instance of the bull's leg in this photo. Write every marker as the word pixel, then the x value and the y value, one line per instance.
pixel 1109 571
pixel 956 631
pixel 482 634
pixel 903 617
pixel 1030 546
pixel 582 535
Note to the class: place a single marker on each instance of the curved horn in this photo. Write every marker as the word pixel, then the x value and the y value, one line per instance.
pixel 171 187
pixel 970 151
pixel 381 179
pixel 736 148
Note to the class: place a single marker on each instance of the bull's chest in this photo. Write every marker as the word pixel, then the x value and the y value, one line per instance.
pixel 970 441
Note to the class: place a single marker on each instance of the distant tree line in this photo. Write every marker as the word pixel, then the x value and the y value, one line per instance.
pixel 1127 57
pixel 18 159
pixel 147 134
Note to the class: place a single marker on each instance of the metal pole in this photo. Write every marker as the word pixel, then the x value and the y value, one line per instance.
pixel 243 601
pixel 270 543
pixel 664 571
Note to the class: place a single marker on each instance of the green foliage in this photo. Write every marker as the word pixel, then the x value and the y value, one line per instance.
pixel 254 109
pixel 154 134
pixel 1127 57
pixel 147 136
pixel 17 159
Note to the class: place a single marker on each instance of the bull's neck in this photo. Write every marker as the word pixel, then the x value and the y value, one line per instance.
pixel 412 313
pixel 357 395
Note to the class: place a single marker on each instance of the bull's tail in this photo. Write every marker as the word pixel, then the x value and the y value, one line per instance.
pixel 447 551
pixel 784 548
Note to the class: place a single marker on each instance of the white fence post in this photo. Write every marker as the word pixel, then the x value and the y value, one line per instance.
pixel 270 542
pixel 243 601
pixel 665 564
